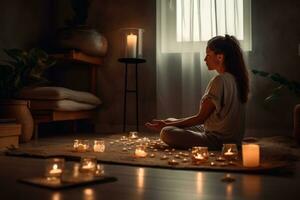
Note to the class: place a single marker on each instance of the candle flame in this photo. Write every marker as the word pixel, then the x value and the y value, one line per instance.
pixel 229 150
pixel 54 166
pixel 199 156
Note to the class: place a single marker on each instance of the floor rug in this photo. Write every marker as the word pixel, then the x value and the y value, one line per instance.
pixel 276 153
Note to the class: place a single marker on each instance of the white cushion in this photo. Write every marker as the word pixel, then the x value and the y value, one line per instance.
pixel 60 105
pixel 58 93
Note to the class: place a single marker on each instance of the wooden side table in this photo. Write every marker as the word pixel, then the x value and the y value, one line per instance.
pixel 134 61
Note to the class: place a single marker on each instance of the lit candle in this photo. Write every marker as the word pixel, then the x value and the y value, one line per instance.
pixel 133 135
pixel 199 157
pixel 140 152
pixel 88 164
pixel 173 162
pixel 99 146
pixel 131 45
pixel 75 145
pixel 55 171
pixel 229 152
pixel 54 168
pixel 199 154
pixel 251 157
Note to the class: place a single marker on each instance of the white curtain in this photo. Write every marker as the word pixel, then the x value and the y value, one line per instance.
pixel 183 28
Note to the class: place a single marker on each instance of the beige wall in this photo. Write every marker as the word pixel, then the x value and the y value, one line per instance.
pixel 276 36
pixel 108 17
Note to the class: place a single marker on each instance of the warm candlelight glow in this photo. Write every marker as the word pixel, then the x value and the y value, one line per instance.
pixel 251 157
pixel 54 167
pixel 81 145
pixel 200 154
pixel 133 135
pixel 199 181
pixel 99 146
pixel 140 179
pixel 131 45
pixel 230 151
pixel 88 164
pixel 140 152
pixel 55 170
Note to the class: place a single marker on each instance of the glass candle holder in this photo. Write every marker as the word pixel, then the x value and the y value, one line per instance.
pixel 99 145
pixel 54 168
pixel 200 154
pixel 81 145
pixel 251 155
pixel 230 152
pixel 88 164
pixel 133 135
pixel 140 151
pixel 132 42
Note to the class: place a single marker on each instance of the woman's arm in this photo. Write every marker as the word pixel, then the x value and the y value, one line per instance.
pixel 205 109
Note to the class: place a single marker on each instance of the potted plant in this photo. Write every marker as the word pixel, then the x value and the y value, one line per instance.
pixel 23 69
pixel 283 83
pixel 78 35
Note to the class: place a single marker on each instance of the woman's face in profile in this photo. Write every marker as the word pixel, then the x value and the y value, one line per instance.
pixel 211 59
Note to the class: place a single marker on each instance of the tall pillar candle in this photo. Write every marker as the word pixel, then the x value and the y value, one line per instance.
pixel 131 46
pixel 251 155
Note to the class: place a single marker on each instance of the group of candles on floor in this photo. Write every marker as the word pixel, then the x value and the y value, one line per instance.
pixel 198 155
pixel 86 170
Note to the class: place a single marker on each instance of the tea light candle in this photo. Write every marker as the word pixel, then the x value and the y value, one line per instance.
pixel 99 146
pixel 55 171
pixel 54 168
pixel 140 152
pixel 251 155
pixel 133 135
pixel 123 138
pixel 75 144
pixel 152 155
pixel 199 154
pixel 199 157
pixel 81 145
pixel 88 164
pixel 164 157
pixel 229 152
pixel 173 162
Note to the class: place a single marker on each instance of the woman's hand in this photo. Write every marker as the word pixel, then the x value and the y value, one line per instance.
pixel 156 124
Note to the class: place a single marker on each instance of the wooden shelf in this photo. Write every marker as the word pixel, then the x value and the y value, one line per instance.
pixel 75 56
pixel 44 116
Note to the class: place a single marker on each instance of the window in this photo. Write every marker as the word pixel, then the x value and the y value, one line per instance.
pixel 188 22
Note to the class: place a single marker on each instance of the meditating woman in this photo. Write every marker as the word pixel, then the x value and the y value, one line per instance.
pixel 221 115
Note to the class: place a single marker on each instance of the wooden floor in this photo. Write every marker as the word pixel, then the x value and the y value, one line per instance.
pixel 148 183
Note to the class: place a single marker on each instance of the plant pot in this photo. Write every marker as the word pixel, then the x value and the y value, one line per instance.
pixel 82 38
pixel 19 110
pixel 297 123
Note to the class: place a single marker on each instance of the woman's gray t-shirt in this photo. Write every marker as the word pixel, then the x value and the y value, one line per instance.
pixel 228 119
